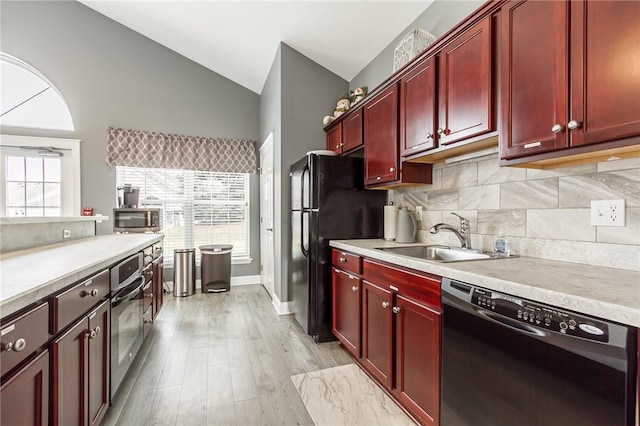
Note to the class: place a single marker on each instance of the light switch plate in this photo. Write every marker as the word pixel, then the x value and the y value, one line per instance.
pixel 607 213
pixel 66 233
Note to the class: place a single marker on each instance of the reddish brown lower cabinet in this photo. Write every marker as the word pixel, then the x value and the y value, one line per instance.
pixel 80 370
pixel 346 321
pixel 418 358
pixel 158 289
pixel 25 395
pixel 401 324
pixel 377 332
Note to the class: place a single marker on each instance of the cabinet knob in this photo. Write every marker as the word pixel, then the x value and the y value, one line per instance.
pixel 392 169
pixel 441 131
pixel 92 334
pixel 573 124
pixel 97 330
pixel 385 305
pixel 17 346
pixel 429 135
pixel 93 293
pixel 557 128
pixel 377 177
pixel 337 146
pixel 354 288
pixel 396 309
pixel 342 259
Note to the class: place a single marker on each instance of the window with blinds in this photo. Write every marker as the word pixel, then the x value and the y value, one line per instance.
pixel 198 208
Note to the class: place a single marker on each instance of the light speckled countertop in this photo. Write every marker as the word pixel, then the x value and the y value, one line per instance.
pixel 611 294
pixel 27 276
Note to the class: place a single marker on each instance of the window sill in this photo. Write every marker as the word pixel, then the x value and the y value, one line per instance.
pixel 241 260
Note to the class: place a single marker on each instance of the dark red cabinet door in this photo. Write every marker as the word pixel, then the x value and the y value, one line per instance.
pixel 352 131
pixel 334 139
pixel 80 370
pixel 25 395
pixel 346 290
pixel 418 111
pixel 381 137
pixel 465 93
pixel 99 340
pixel 69 359
pixel 605 67
pixel 158 280
pixel 534 77
pixel 418 359
pixel 377 332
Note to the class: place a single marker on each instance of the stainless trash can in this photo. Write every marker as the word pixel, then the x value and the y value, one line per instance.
pixel 184 272
pixel 215 268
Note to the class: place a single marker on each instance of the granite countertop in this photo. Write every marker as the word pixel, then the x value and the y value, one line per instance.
pixel 27 276
pixel 608 293
pixel 50 219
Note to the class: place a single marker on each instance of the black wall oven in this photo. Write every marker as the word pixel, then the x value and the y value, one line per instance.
pixel 509 361
pixel 127 281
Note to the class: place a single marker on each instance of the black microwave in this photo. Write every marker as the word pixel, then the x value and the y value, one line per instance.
pixel 136 220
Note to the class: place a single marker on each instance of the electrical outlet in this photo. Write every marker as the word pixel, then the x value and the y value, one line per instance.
pixel 418 212
pixel 66 233
pixel 607 212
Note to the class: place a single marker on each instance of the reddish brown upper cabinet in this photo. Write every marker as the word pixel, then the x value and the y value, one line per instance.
pixel 465 94
pixel 346 314
pixel 381 137
pixel 418 110
pixel 80 370
pixel 352 131
pixel 576 84
pixel 25 395
pixel 334 138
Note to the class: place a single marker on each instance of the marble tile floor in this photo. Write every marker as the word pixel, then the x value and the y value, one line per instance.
pixel 345 395
pixel 221 359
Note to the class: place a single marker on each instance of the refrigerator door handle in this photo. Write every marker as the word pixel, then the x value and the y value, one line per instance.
pixel 305 252
pixel 303 187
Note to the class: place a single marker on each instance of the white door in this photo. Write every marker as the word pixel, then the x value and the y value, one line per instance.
pixel 266 214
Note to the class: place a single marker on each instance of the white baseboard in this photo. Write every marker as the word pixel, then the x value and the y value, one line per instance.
pixel 282 308
pixel 245 280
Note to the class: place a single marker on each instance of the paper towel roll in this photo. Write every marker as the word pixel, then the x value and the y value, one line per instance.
pixel 390 222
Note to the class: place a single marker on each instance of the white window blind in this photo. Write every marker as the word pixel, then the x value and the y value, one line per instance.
pixel 198 208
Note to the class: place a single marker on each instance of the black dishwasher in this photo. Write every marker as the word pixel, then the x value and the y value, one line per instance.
pixel 509 361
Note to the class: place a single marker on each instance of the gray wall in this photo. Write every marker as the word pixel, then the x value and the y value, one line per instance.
pixel 439 18
pixel 113 76
pixel 297 95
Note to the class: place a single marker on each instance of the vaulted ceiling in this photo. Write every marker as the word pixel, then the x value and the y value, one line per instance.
pixel 239 39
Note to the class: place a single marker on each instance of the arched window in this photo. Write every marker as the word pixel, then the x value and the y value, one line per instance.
pixel 39 176
pixel 28 99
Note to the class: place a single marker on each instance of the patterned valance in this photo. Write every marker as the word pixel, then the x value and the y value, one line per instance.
pixel 141 148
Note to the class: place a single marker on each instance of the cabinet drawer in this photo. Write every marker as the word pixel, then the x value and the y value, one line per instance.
pixel 347 261
pixel 21 336
pixel 421 287
pixel 73 303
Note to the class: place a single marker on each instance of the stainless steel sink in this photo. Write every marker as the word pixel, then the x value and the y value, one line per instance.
pixel 442 254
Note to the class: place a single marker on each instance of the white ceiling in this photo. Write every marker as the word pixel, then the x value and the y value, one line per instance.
pixel 239 39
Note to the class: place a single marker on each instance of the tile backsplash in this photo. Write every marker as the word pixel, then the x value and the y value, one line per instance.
pixel 542 213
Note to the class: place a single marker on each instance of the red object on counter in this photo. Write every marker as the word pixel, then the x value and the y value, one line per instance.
pixel 87 211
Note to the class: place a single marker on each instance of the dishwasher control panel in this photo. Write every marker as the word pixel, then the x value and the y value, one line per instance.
pixel 541 316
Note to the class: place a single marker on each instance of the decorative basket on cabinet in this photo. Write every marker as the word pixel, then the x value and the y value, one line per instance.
pixel 410 45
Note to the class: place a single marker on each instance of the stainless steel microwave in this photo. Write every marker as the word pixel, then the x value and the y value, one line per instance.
pixel 136 220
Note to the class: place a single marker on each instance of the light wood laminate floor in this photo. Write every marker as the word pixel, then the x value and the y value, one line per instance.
pixel 221 359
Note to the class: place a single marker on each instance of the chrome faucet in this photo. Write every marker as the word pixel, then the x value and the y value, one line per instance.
pixel 463 234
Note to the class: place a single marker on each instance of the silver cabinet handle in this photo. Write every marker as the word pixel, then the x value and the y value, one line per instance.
pixel 93 293
pixel 441 131
pixel 270 229
pixel 342 259
pixel 337 146
pixel 92 334
pixel 557 128
pixel 429 136
pixel 377 177
pixel 385 305
pixel 97 330
pixel 573 124
pixel 354 288
pixel 17 346
pixel 392 169
pixel 396 309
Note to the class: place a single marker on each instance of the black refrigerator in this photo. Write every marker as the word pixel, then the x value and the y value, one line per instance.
pixel 328 202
